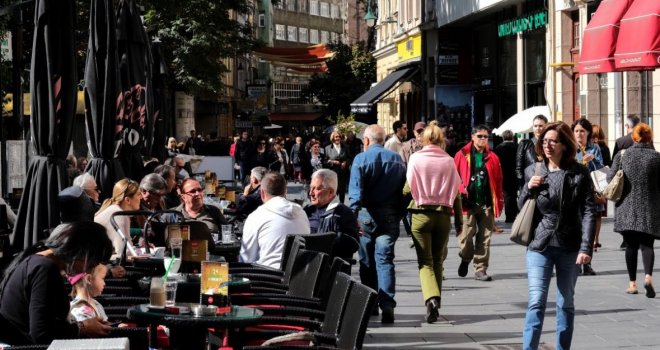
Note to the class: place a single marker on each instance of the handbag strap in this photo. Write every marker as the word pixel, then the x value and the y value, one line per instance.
pixel 537 172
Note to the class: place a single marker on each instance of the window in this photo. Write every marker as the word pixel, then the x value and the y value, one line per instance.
pixel 333 37
pixel 334 11
pixel 292 33
pixel 302 6
pixel 324 36
pixel 325 9
pixel 280 5
pixel 280 32
pixel 313 36
pixel 262 20
pixel 302 35
pixel 314 7
pixel 291 5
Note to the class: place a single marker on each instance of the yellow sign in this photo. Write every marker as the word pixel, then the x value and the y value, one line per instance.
pixel 9 106
pixel 409 48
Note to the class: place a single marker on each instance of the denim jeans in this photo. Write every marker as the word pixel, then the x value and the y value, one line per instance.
pixel 539 273
pixel 380 232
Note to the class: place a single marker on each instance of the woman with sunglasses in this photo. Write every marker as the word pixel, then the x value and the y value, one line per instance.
pixel 125 196
pixel 563 231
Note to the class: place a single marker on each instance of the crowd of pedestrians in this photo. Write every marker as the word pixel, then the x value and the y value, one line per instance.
pixel 424 182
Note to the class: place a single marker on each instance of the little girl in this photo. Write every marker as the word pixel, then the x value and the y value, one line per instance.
pixel 85 287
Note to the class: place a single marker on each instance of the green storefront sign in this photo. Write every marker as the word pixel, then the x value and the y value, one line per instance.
pixel 523 24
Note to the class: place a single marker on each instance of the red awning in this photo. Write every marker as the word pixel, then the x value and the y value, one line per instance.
pixel 599 38
pixel 283 117
pixel 638 44
pixel 310 59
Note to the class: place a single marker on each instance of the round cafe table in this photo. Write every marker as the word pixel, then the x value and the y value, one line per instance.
pixel 188 331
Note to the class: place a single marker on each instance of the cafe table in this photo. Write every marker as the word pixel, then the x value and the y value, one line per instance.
pixel 188 331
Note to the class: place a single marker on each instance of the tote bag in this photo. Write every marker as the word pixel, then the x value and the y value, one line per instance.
pixel 522 231
pixel 614 189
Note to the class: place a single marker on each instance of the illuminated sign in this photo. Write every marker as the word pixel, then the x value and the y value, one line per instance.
pixel 523 24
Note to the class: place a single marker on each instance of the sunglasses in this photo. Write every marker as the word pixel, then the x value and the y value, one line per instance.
pixel 481 136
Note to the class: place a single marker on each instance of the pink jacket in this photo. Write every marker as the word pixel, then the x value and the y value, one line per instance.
pixel 432 177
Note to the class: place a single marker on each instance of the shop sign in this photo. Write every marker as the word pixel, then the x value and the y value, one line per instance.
pixel 523 24
pixel 409 48
pixel 256 90
pixel 447 60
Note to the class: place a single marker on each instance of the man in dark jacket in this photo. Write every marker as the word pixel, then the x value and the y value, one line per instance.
pixel 245 152
pixel 327 214
pixel 506 151
pixel 626 141
pixel 526 154
pixel 250 199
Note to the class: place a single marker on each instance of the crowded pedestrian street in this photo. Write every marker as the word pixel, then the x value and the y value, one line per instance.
pixel 477 315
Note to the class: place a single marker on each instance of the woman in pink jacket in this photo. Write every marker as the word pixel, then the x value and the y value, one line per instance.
pixel 432 182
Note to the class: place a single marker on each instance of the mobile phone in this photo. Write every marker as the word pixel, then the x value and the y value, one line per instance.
pixel 115 324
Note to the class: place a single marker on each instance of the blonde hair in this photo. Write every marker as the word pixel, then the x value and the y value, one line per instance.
pixel 122 189
pixel 433 135
pixel 336 133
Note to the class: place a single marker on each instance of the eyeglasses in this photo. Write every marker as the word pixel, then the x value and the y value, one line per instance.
pixel 194 191
pixel 93 189
pixel 550 142
pixel 154 193
pixel 481 136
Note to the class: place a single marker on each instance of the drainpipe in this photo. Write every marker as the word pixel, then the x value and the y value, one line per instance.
pixel 552 99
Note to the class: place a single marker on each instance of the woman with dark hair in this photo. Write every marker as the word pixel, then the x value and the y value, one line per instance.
pixel 34 300
pixel 598 137
pixel 563 231
pixel 589 155
pixel 336 154
pixel 637 215
pixel 261 155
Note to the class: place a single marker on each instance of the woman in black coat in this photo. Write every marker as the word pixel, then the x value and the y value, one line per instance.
pixel 337 157
pixel 637 215
pixel 564 229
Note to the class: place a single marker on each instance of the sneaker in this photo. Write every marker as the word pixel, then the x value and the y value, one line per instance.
pixel 482 276
pixel 587 270
pixel 387 315
pixel 463 268
pixel 432 306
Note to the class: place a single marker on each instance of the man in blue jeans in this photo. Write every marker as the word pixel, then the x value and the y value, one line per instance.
pixel 374 195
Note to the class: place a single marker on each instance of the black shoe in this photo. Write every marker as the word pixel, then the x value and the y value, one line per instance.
pixel 587 270
pixel 650 291
pixel 463 268
pixel 482 276
pixel 432 306
pixel 387 315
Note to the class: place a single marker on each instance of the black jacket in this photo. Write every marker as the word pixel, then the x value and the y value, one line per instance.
pixel 247 204
pixel 340 219
pixel 575 225
pixel 525 156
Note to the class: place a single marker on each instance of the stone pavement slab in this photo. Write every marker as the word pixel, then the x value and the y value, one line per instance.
pixel 490 315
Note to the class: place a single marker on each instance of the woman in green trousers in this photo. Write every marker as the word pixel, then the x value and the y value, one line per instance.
pixel 432 182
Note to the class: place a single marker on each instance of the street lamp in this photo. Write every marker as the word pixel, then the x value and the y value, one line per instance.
pixel 369 17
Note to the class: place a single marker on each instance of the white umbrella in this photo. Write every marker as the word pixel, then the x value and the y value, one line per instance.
pixel 522 121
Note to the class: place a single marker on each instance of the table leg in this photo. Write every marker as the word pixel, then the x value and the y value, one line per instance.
pixel 188 338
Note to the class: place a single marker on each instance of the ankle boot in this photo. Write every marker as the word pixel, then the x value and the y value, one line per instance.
pixel 432 306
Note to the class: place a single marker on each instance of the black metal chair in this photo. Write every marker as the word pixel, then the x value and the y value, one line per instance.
pixel 344 333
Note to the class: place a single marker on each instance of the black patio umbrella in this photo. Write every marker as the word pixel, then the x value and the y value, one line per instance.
pixel 160 103
pixel 53 101
pixel 102 97
pixel 136 111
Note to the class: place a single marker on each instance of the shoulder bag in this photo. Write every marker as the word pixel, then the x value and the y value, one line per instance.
pixel 522 231
pixel 614 189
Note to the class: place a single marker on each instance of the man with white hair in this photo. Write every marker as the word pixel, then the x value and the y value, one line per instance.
pixel 88 184
pixel 265 230
pixel 375 196
pixel 327 214
pixel 250 199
